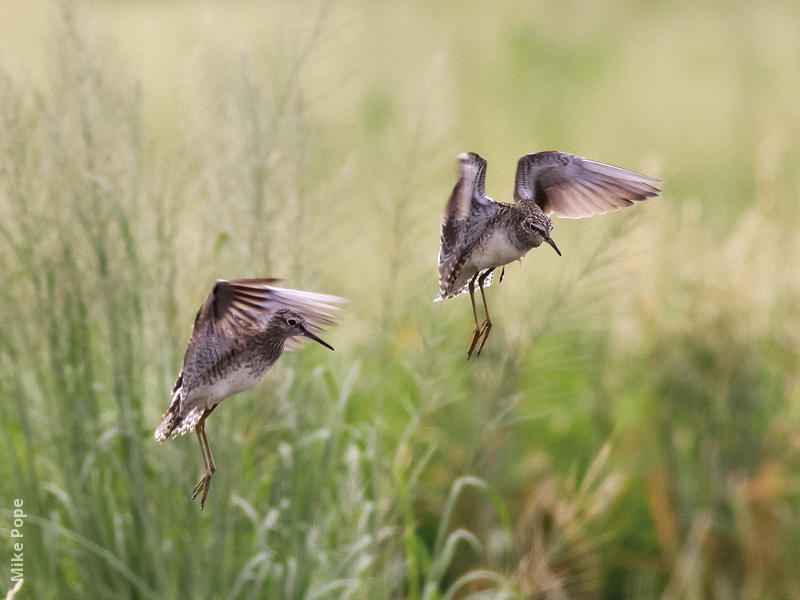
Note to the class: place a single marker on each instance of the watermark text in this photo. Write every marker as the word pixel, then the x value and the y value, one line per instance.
pixel 17 545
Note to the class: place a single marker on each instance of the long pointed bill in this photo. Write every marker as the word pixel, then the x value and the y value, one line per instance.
pixel 308 334
pixel 550 241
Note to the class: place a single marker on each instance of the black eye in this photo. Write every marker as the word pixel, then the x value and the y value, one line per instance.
pixel 533 227
pixel 291 321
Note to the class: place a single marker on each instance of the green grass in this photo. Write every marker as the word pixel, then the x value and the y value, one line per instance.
pixel 630 430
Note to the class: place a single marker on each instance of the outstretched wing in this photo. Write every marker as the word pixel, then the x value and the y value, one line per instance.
pixel 462 220
pixel 237 309
pixel 574 187
pixel 233 309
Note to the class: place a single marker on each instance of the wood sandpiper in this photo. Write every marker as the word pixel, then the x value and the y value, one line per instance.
pixel 240 331
pixel 478 234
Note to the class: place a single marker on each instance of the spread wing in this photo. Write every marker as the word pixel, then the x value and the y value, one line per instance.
pixel 237 309
pixel 465 213
pixel 574 187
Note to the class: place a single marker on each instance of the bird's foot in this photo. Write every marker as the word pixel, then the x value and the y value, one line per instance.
pixel 486 327
pixel 476 335
pixel 202 486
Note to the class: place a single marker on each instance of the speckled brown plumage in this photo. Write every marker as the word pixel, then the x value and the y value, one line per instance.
pixel 478 234
pixel 239 332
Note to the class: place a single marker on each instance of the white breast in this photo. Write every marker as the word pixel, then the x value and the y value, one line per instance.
pixel 238 381
pixel 495 251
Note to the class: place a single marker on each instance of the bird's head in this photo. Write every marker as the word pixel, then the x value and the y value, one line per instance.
pixel 534 228
pixel 291 323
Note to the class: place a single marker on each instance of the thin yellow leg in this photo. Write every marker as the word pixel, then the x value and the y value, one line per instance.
pixel 208 461
pixel 487 324
pixel 476 334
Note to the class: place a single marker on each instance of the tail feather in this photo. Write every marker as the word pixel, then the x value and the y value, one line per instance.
pixel 173 423
pixel 188 422
pixel 464 289
pixel 167 426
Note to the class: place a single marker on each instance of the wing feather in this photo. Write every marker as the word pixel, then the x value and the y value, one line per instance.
pixel 467 202
pixel 242 307
pixel 573 187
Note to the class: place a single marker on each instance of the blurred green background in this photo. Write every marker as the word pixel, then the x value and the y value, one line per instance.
pixel 632 429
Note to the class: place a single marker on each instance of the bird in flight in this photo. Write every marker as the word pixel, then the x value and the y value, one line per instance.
pixel 478 234
pixel 239 332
